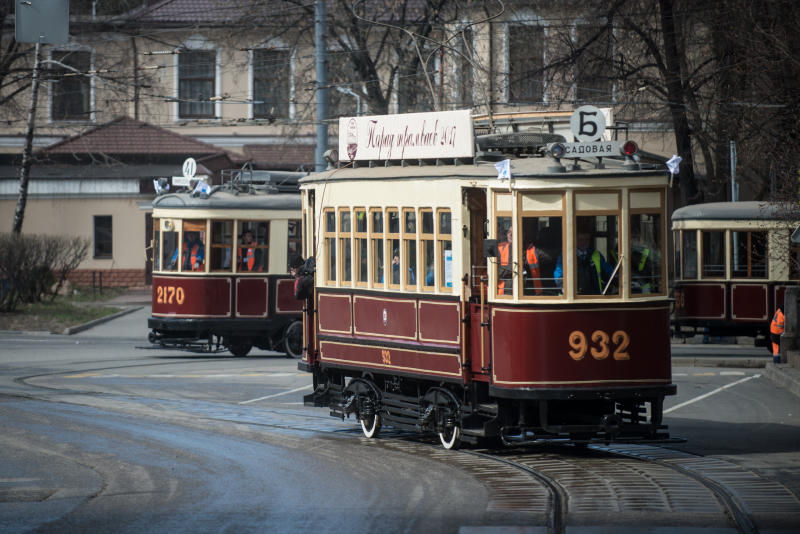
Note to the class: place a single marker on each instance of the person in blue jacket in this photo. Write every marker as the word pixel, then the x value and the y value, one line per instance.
pixel 594 271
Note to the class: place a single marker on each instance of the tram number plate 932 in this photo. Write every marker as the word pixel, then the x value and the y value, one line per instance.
pixel 170 294
pixel 601 345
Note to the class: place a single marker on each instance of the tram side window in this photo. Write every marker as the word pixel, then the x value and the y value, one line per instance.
pixel 426 241
pixel 713 254
pixel 393 235
pixel 295 241
pixel 156 244
pixel 330 245
pixel 253 253
pixel 192 253
pixel 410 248
pixel 689 254
pixel 345 230
pixel 749 254
pixel 595 251
pixel 541 243
pixel 645 261
pixel 169 253
pixel 376 229
pixel 221 245
pixel 360 235
pixel 445 248
pixel 505 260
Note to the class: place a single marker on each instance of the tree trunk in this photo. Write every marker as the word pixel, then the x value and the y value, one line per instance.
pixel 25 171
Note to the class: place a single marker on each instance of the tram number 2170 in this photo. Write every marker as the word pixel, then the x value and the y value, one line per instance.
pixel 600 347
pixel 170 294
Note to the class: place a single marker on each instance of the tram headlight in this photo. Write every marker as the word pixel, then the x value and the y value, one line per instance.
pixel 556 150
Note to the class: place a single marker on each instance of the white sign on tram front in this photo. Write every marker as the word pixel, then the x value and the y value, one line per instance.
pixel 444 134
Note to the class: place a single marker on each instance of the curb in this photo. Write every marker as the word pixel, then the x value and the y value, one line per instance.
pixel 784 376
pixel 86 326
pixel 711 361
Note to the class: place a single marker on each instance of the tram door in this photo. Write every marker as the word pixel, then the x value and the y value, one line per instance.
pixel 478 342
pixel 309 317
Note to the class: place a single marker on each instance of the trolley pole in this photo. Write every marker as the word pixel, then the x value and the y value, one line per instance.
pixel 322 82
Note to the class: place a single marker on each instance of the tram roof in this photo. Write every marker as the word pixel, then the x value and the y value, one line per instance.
pixel 745 210
pixel 229 200
pixel 521 168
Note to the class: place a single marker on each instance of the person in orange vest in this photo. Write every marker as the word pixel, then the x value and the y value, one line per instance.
pixel 532 266
pixel 193 252
pixel 504 268
pixel 248 252
pixel 776 328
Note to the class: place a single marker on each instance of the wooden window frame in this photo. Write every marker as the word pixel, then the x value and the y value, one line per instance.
pixel 390 236
pixel 358 237
pixel 329 237
pixel 344 237
pixel 440 241
pixel 377 241
pixel 405 260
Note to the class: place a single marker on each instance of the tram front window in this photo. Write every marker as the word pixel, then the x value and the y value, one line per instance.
pixel 169 259
pixel 221 245
pixel 689 255
pixel 596 242
pixel 749 254
pixel 541 243
pixel 645 231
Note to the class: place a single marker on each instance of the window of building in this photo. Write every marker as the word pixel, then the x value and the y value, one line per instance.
pixel 689 254
pixel 525 63
pixel 221 246
pixel 70 91
pixel 414 87
pixel 271 83
pixel 340 80
pixel 464 68
pixel 748 254
pixel 362 246
pixel 393 238
pixel 410 249
pixel 593 68
pixel 253 250
pixel 196 83
pixel 102 236
pixel 330 245
pixel 713 265
pixel 377 247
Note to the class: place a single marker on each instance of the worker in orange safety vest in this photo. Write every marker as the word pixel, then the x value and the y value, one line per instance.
pixel 776 328
pixel 248 252
pixel 504 270
pixel 532 262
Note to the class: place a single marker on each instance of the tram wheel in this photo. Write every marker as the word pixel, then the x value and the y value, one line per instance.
pixel 293 340
pixel 371 425
pixel 450 437
pixel 240 349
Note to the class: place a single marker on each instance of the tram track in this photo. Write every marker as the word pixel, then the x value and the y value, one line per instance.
pixel 554 486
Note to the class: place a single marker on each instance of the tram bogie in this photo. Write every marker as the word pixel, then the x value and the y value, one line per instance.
pixel 428 315
pixel 220 270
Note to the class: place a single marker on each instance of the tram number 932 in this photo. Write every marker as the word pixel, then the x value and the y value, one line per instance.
pixel 601 345
pixel 170 294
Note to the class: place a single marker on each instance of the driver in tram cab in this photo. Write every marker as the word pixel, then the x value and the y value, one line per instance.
pixel 504 268
pixel 249 253
pixel 594 271
pixel 193 252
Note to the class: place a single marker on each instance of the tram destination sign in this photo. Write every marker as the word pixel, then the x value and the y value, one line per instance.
pixel 596 149
pixel 444 134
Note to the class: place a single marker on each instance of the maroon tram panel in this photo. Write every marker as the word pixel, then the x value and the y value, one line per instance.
pixel 440 322
pixel 580 348
pixel 403 360
pixel 703 301
pixel 191 296
pixel 252 297
pixel 749 302
pixel 390 318
pixel 284 299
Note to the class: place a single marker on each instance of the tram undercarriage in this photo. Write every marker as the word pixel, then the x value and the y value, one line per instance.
pixel 472 414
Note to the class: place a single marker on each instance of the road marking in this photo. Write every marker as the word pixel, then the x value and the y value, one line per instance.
pixel 277 394
pixel 732 373
pixel 714 392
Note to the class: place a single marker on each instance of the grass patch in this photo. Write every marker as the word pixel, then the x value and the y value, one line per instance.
pixel 64 312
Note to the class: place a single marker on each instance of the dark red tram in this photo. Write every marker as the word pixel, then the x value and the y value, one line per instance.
pixel 733 263
pixel 220 274
pixel 532 308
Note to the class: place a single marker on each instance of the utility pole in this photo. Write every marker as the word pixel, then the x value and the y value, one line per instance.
pixel 322 82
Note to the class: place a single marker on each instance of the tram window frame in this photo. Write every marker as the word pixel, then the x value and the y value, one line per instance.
pixel 692 259
pixel 537 205
pixel 393 242
pixel 170 237
pixel 750 252
pixel 294 238
pixel 193 225
pixel 155 244
pixel 218 249
pixel 377 248
pixel 705 270
pixel 655 246
pixel 329 235
pixel 444 237
pixel 504 210
pixel 345 237
pixel 595 210
pixel 261 232
pixel 361 247
pixel 410 255
pixel 427 248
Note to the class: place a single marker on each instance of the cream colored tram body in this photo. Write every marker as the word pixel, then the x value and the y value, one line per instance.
pixel 426 317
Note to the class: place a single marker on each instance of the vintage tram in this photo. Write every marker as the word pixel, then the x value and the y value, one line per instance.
pixel 449 300
pixel 733 263
pixel 220 269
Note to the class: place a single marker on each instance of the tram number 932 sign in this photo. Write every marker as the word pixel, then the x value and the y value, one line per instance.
pixel 601 345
